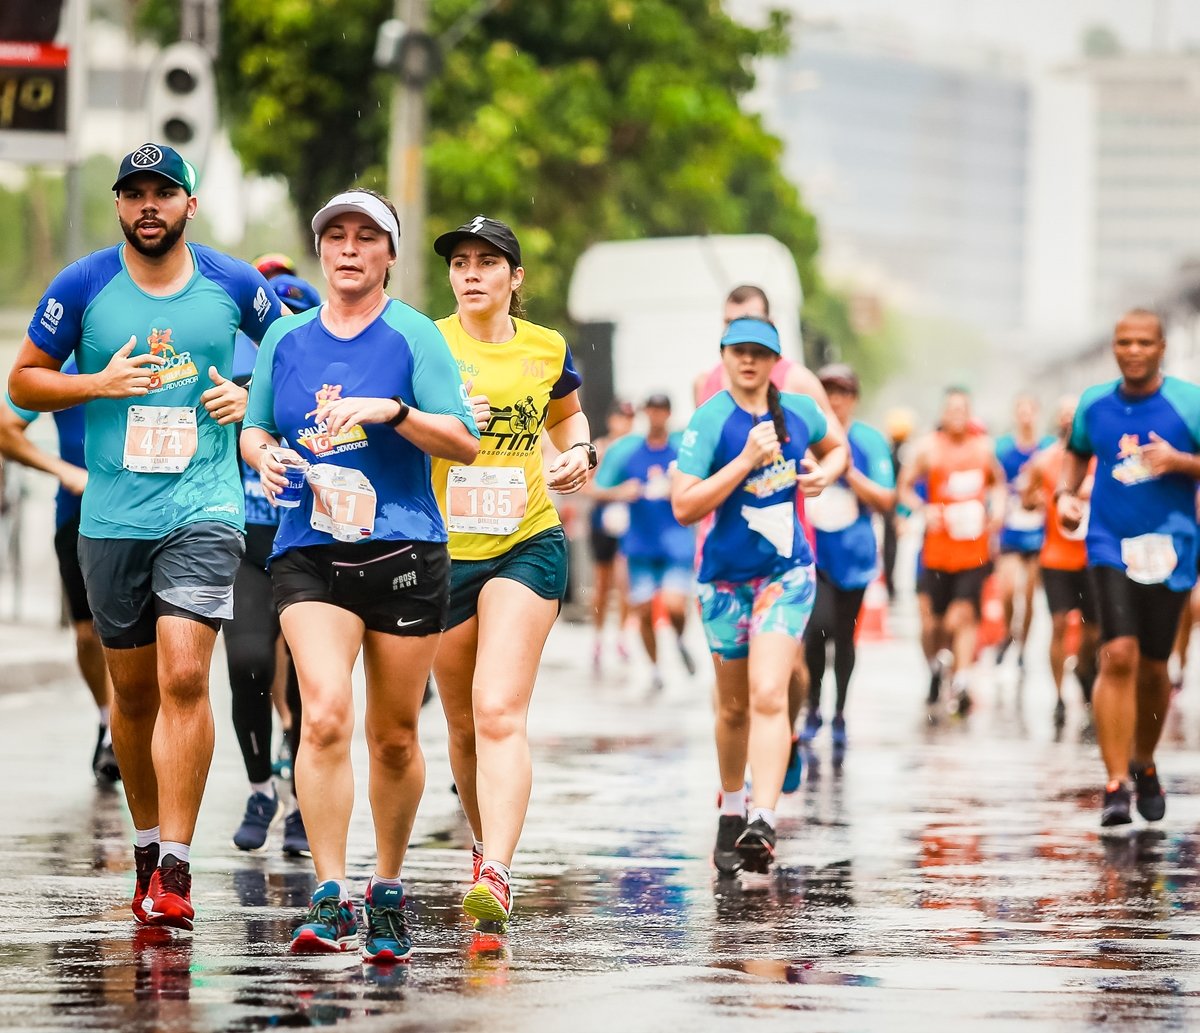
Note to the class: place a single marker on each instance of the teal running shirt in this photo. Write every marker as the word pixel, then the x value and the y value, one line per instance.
pixel 92 308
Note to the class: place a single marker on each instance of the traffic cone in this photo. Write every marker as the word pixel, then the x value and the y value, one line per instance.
pixel 991 625
pixel 872 618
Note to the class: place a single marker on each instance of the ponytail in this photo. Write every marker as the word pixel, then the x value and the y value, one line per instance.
pixel 775 408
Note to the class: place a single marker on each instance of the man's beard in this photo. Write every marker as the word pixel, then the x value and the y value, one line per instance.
pixel 154 248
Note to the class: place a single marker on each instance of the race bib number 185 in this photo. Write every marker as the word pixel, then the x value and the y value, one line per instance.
pixel 485 499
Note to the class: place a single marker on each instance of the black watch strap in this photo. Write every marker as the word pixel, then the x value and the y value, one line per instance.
pixel 402 415
pixel 588 447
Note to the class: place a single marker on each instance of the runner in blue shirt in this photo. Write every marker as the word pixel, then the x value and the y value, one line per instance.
pixel 252 636
pixel 364 390
pixel 847 554
pixel 1023 531
pixel 659 552
pixel 1144 430
pixel 743 457
pixel 70 467
pixel 152 324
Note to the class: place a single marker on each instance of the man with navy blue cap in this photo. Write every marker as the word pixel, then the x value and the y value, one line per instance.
pixel 151 324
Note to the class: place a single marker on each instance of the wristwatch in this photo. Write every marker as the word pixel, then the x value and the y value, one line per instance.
pixel 402 415
pixel 591 452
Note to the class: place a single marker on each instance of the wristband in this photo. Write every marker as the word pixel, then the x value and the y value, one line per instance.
pixel 402 415
pixel 591 452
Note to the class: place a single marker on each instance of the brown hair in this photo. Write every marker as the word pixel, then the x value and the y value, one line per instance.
pixel 747 292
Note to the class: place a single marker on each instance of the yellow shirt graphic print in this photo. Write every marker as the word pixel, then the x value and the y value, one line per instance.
pixel 501 499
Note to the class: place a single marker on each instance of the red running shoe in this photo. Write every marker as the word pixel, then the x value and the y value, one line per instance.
pixel 476 864
pixel 169 899
pixel 490 899
pixel 145 861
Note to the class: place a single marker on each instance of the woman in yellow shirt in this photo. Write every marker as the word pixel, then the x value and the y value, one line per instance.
pixel 508 551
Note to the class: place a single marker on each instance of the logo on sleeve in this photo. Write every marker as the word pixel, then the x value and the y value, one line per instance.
pixel 52 316
pixel 262 304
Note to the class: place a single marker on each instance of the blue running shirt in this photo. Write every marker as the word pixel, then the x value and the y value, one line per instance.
pixel 849 557
pixel 1128 502
pixel 1024 529
pixel 92 308
pixel 654 533
pixel 738 547
pixel 301 363
pixel 69 425
pixel 259 511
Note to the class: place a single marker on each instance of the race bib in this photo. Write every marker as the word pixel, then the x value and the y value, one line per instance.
pixel 1018 518
pixel 1149 558
pixel 485 499
pixel 835 509
pixel 614 519
pixel 159 438
pixel 965 521
pixel 343 502
pixel 962 484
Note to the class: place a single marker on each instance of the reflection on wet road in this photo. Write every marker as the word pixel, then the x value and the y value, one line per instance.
pixel 938 873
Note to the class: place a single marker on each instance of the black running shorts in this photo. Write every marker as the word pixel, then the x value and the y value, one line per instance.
pixel 1068 590
pixel 1149 613
pixel 945 587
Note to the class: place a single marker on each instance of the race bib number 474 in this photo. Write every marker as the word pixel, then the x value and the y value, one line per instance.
pixel 159 438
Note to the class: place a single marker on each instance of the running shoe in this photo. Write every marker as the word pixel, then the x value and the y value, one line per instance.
pixel 387 939
pixel 962 703
pixel 490 899
pixel 476 864
pixel 104 760
pixel 261 811
pixel 1002 649
pixel 169 895
pixel 1151 800
pixel 685 655
pixel 726 858
pixel 145 861
pixel 1060 714
pixel 812 724
pixel 331 924
pixel 935 681
pixel 295 837
pixel 837 732
pixel 795 767
pixel 1116 805
pixel 756 847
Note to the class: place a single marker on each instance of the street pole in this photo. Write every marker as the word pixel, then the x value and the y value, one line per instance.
pixel 406 169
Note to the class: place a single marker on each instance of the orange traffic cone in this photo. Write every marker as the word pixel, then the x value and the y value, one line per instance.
pixel 872 618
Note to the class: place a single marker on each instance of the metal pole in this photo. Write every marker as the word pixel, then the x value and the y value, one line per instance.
pixel 406 170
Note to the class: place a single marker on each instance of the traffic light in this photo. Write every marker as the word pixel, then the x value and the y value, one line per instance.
pixel 182 100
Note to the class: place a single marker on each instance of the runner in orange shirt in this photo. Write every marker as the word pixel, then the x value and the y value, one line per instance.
pixel 1063 563
pixel 966 502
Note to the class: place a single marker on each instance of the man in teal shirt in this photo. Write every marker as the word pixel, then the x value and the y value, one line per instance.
pixel 152 324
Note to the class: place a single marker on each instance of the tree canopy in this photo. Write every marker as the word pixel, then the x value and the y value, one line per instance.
pixel 575 120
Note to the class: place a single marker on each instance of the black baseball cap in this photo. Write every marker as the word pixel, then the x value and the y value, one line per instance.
pixel 160 159
pixel 492 230
pixel 657 401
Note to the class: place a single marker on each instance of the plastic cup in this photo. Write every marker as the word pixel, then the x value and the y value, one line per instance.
pixel 289 497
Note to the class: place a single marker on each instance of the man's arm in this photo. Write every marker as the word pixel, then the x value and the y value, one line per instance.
pixel 916 467
pixel 15 445
pixel 37 383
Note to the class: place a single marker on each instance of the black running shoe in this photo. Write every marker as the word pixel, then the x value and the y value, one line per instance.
pixel 962 703
pixel 756 847
pixel 1060 714
pixel 725 855
pixel 935 682
pixel 104 761
pixel 1151 800
pixel 1116 806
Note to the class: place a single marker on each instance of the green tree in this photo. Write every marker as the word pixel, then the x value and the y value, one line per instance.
pixel 576 120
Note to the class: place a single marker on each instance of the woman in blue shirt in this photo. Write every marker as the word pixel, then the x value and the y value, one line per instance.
pixel 744 457
pixel 364 390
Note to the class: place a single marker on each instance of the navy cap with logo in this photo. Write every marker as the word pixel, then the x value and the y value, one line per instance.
pixel 493 231
pixel 160 159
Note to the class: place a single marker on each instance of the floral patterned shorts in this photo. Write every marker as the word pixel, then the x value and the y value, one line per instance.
pixel 734 611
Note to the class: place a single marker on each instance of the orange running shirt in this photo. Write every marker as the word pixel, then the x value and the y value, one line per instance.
pixel 960 474
pixel 1058 551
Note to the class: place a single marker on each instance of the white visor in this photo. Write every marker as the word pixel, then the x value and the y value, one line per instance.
pixel 364 204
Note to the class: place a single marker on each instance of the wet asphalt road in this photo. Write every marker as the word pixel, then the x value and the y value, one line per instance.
pixel 942 875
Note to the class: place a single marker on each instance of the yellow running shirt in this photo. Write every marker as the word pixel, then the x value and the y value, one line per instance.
pixel 500 499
